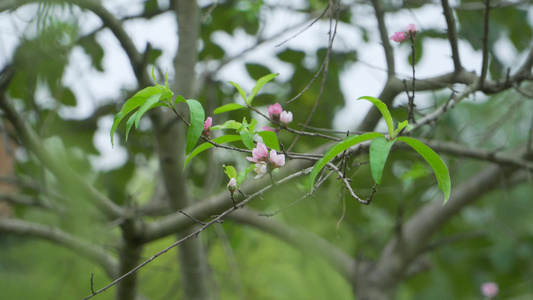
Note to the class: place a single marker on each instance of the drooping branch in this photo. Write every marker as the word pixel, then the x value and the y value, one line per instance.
pixel 59 169
pixel 90 251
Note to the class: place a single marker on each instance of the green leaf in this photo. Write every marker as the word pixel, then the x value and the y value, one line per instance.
pixel 401 126
pixel 196 125
pixel 133 103
pixel 130 123
pixel 336 150
pixel 247 138
pixel 252 124
pixel 242 174
pixel 67 97
pixel 379 151
pixel 260 83
pixel 145 107
pixel 230 171
pixel 219 140
pixel 241 92
pixel 228 107
pixel 434 160
pixel 231 124
pixel 256 71
pixel 270 139
pixel 384 111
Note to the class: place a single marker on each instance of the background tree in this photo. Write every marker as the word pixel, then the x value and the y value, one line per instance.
pixel 71 226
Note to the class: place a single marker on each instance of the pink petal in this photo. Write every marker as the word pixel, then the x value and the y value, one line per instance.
pixel 285 117
pixel 208 122
pixel 398 37
pixel 259 151
pixel 411 28
pixel 274 109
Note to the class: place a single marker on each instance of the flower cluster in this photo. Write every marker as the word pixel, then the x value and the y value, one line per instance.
pixel 264 161
pixel 277 114
pixel 489 289
pixel 409 33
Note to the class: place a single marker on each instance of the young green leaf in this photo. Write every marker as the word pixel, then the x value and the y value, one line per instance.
pixel 196 125
pixel 145 107
pixel 260 83
pixel 247 138
pixel 219 140
pixel 242 174
pixel 270 139
pixel 231 124
pixel 336 150
pixel 131 104
pixel 433 159
pixel 241 91
pixel 252 124
pixel 180 98
pixel 130 123
pixel 230 171
pixel 228 107
pixel 379 151
pixel 401 126
pixel 384 111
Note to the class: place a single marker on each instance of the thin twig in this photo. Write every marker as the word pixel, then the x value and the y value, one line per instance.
pixel 217 219
pixel 332 34
pixel 485 61
pixel 306 27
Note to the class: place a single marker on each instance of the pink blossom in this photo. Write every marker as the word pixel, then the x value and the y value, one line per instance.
pixel 411 28
pixel 259 153
pixel 285 117
pixel 267 128
pixel 274 110
pixel 489 289
pixel 261 169
pixel 277 160
pixel 207 126
pixel 398 36
pixel 207 123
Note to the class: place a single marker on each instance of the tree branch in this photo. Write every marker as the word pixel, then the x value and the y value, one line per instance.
pixel 90 251
pixel 452 35
pixel 60 170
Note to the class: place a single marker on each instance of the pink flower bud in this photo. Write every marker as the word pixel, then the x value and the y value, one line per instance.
pixel 411 28
pixel 285 117
pixel 410 31
pixel 398 37
pixel 207 126
pixel 489 289
pixel 274 111
pixel 232 185
pixel 207 123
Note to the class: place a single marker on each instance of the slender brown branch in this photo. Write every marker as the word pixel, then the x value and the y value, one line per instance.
pixel 389 55
pixel 452 35
pixel 485 60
